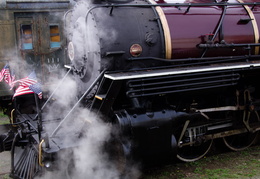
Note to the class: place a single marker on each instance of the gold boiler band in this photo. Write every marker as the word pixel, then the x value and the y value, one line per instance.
pixel 166 31
pixel 254 23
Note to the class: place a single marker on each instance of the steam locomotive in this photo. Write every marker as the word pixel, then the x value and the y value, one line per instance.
pixel 167 77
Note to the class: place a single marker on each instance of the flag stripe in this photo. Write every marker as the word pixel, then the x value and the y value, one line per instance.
pixel 22 90
pixel 28 85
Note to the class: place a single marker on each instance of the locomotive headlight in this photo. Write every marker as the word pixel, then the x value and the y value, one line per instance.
pixel 136 50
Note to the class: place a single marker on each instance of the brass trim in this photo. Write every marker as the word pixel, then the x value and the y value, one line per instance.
pixel 12 118
pixel 254 23
pixel 98 97
pixel 40 153
pixel 166 31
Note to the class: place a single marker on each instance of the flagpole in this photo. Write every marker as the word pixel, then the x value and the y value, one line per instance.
pixel 55 89
pixel 38 115
pixel 43 106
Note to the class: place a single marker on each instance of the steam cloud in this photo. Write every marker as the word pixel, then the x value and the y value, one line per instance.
pixel 88 159
pixel 90 134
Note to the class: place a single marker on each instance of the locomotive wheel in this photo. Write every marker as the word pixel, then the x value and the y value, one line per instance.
pixel 242 141
pixel 24 161
pixel 194 151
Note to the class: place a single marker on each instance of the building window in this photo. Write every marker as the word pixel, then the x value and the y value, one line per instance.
pixel 54 36
pixel 26 35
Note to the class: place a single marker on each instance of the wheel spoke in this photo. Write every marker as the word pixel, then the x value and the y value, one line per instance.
pixel 193 153
pixel 242 141
pixel 26 164
pixel 191 144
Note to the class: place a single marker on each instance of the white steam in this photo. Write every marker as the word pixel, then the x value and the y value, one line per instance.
pixel 90 159
pixel 86 131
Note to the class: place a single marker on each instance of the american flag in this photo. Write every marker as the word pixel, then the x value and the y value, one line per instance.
pixel 28 85
pixel 6 76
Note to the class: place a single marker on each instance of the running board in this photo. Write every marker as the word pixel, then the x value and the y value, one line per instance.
pixel 178 71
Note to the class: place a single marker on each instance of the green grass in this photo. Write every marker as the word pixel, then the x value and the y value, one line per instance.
pixel 235 168
pixel 237 165
pixel 2 114
pixel 6 176
pixel 3 118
